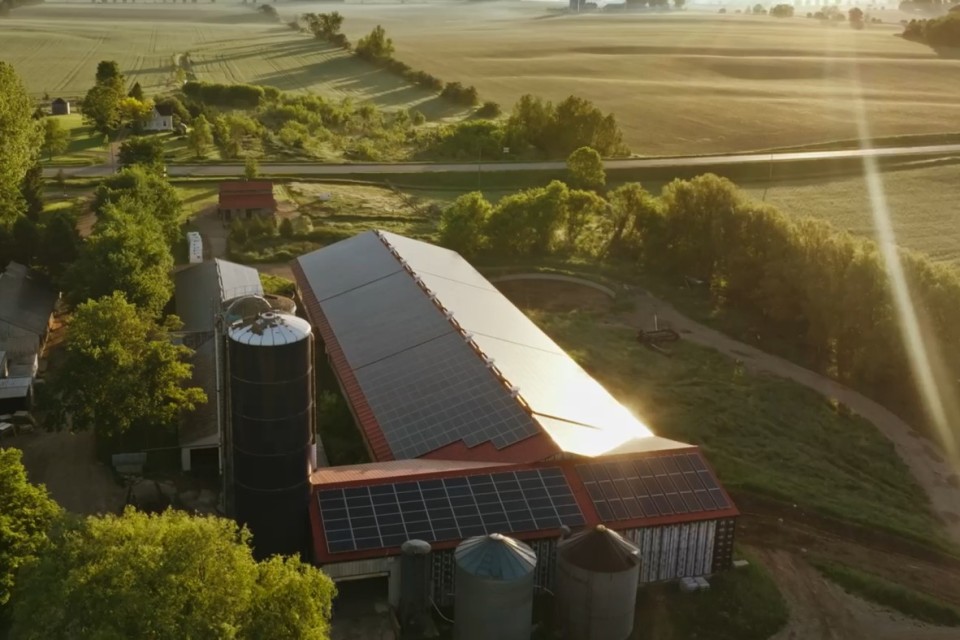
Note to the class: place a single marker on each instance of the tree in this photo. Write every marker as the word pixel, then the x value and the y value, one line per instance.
pixel 200 136
pixel 758 9
pixel 59 245
pixel 145 151
pixel 134 113
pixel 855 16
pixel 26 240
pixel 579 123
pixel 147 193
pixel 585 170
pixel 128 254
pixel 136 92
pixel 21 139
pixel 586 229
pixel 198 571
pixel 529 222
pixel 376 46
pixel 108 73
pixel 101 107
pixel 679 4
pixel 462 224
pixel 251 168
pixel 56 139
pixel 140 374
pixel 635 221
pixel 26 513
pixel 32 192
pixel 782 11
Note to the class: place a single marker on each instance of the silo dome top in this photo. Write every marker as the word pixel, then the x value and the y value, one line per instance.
pixel 243 307
pixel 599 549
pixel 415 547
pixel 269 329
pixel 496 556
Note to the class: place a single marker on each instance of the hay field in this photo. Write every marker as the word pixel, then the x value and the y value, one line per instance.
pixel 922 201
pixel 56 48
pixel 686 82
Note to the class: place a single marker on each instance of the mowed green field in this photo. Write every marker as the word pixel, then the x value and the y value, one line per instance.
pixel 922 203
pixel 684 82
pixel 56 48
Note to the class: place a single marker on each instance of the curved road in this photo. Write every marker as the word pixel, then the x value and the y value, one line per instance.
pixel 320 169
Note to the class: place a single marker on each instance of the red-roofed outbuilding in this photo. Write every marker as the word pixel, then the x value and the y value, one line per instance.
pixel 244 199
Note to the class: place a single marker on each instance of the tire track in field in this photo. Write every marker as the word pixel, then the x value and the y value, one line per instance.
pixel 72 75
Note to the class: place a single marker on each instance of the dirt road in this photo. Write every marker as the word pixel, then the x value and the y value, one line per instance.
pixel 820 609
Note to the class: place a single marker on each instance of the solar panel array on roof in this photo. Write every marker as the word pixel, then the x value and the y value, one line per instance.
pixel 438 393
pixel 385 515
pixel 651 487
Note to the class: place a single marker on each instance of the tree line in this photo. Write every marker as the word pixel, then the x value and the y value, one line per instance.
pixel 941 33
pixel 804 288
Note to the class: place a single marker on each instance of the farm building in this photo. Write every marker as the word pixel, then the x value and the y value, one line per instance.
pixel 161 119
pixel 194 247
pixel 60 107
pixel 26 307
pixel 243 199
pixel 202 292
pixel 479 423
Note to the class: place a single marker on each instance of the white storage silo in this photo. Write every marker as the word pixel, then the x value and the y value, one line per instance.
pixel 596 585
pixel 494 589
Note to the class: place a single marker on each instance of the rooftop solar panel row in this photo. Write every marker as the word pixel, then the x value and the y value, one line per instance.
pixel 386 515
pixel 652 487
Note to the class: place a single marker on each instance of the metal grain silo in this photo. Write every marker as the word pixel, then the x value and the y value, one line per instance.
pixel 596 585
pixel 414 587
pixel 494 589
pixel 270 416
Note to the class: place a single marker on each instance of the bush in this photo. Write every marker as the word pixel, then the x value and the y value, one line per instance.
pixel 375 46
pixel 782 11
pixel 238 96
pixel 489 109
pixel 456 92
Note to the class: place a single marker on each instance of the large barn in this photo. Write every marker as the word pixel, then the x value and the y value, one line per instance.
pixel 479 423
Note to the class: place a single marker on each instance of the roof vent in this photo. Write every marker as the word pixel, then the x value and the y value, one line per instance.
pixel 488 361
pixel 449 314
pixel 468 336
pixel 514 391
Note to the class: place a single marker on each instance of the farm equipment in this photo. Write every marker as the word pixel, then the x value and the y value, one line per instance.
pixel 653 339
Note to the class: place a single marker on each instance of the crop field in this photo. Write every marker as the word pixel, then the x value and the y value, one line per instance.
pixel 922 202
pixel 56 48
pixel 683 83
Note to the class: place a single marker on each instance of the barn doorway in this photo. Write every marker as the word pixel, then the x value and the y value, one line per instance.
pixel 361 609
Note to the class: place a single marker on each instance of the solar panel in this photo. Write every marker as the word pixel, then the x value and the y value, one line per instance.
pixel 424 258
pixel 347 264
pixel 382 516
pixel 440 392
pixel 382 318
pixel 652 487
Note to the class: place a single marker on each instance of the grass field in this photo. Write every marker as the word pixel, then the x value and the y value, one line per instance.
pixel 683 83
pixel 764 435
pixel 922 202
pixel 56 47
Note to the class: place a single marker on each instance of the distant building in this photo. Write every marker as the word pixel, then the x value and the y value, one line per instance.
pixel 244 199
pixel 26 306
pixel 161 119
pixel 60 107
pixel 201 292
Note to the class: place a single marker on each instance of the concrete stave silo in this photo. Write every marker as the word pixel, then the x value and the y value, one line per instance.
pixel 270 386
pixel 494 588
pixel 596 586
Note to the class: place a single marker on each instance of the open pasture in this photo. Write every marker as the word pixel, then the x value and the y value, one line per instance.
pixel 56 48
pixel 683 83
pixel 922 202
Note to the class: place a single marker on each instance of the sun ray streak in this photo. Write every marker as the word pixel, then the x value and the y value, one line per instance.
pixel 931 391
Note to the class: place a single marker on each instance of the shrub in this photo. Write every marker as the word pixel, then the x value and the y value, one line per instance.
pixel 239 96
pixel 456 92
pixel 782 11
pixel 489 109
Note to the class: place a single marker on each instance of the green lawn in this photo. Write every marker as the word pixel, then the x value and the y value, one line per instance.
pixel 741 604
pixel 197 196
pixel 893 596
pixel 764 435
pixel 86 145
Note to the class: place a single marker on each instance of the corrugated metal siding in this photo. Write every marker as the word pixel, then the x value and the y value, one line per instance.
pixel 723 544
pixel 355 568
pixel 675 551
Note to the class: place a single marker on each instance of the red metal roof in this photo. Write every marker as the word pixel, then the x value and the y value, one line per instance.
pixel 246 186
pixel 362 473
pixel 538 447
pixel 247 201
pixel 373 434
pixel 371 476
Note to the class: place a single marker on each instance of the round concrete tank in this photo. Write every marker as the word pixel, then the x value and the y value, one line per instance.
pixel 596 585
pixel 270 385
pixel 494 589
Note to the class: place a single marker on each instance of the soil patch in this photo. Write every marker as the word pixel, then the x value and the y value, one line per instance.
pixel 550 295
